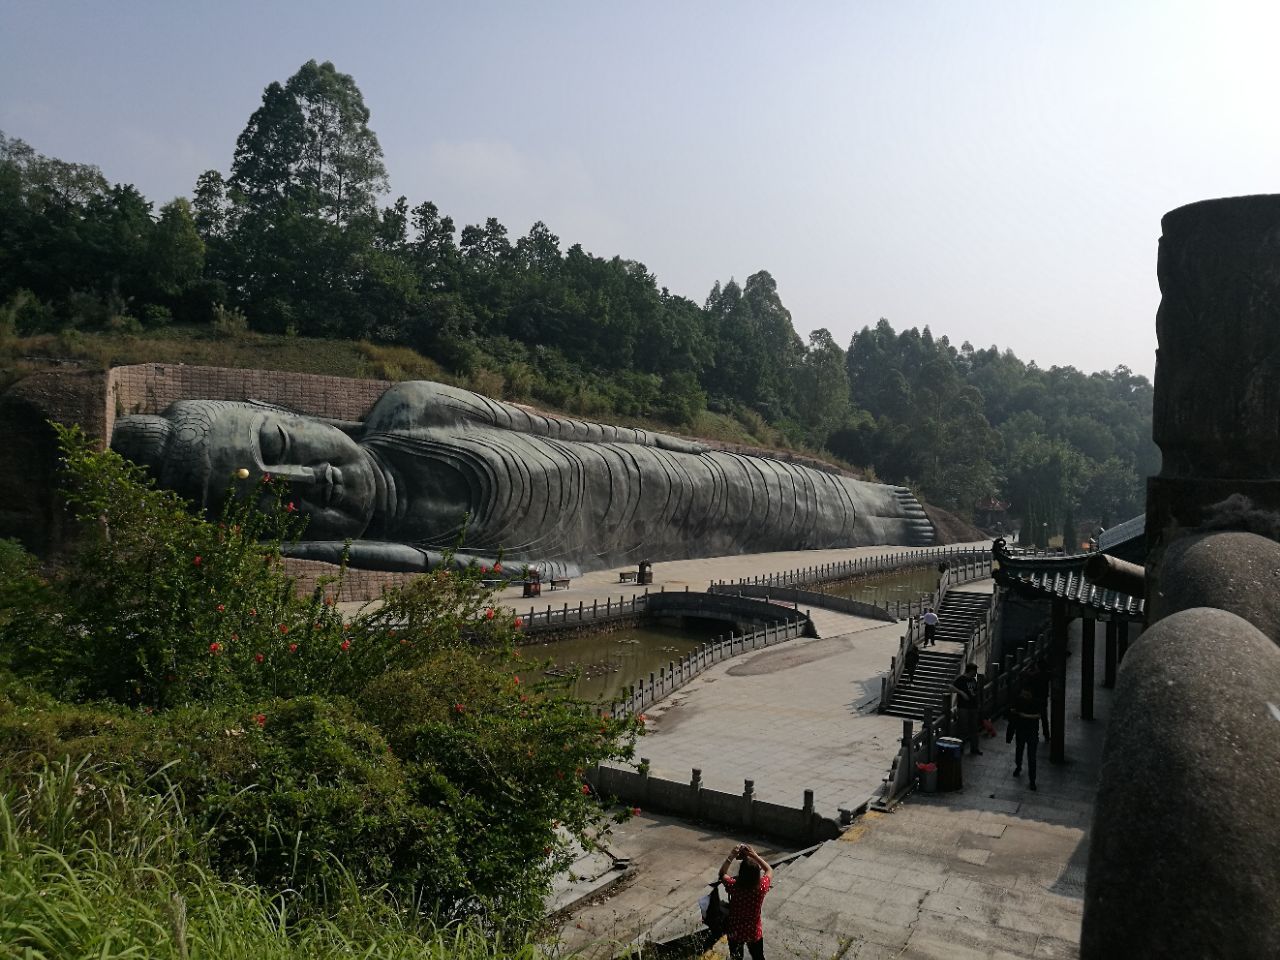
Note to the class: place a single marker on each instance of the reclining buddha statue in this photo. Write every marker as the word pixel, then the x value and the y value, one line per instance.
pixel 396 489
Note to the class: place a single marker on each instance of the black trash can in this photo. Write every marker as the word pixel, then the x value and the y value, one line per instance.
pixel 949 751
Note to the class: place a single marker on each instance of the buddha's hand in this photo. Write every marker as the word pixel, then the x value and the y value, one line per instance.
pixel 365 554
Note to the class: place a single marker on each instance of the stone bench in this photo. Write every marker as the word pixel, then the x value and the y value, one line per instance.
pixel 559 583
pixel 628 576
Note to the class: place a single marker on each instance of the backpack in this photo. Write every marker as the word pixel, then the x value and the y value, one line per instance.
pixel 715 909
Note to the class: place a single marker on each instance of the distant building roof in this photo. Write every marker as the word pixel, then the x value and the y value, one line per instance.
pixel 1062 577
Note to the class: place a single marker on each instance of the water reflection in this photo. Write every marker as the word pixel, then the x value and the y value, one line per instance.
pixel 903 585
pixel 610 661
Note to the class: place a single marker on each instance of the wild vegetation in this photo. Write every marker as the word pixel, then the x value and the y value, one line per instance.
pixel 186 744
pixel 296 239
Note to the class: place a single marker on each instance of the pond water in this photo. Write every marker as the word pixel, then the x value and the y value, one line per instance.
pixel 903 585
pixel 611 660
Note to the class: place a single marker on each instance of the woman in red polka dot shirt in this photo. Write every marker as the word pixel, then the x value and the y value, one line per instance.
pixel 746 897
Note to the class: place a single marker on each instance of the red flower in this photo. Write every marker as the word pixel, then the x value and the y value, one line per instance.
pixel 291 506
pixel 523 698
pixel 197 560
pixel 488 614
pixel 221 607
pixel 517 680
pixel 284 628
pixel 497 568
pixel 258 658
pixel 215 647
pixel 293 648
pixel 260 719
pixel 235 636
pixel 266 478
pixel 586 791
pixel 641 717
pixel 458 708
pixel 345 645
pixel 328 601
pixel 484 569
pixel 635 811
pixel 253 611
pixel 519 622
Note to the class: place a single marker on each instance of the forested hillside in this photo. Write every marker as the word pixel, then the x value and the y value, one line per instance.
pixel 297 237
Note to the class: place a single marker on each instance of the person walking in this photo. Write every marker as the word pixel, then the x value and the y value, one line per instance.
pixel 1024 725
pixel 746 896
pixel 968 688
pixel 1038 680
pixel 930 621
pixel 910 660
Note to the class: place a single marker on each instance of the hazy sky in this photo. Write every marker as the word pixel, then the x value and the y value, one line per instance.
pixel 995 170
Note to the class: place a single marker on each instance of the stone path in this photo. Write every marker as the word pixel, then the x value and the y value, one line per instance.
pixel 600 585
pixel 797 716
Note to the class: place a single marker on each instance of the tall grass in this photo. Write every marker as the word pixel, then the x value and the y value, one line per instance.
pixel 89 869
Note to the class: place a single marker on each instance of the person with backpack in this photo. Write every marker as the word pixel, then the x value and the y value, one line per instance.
pixel 1024 724
pixel 746 897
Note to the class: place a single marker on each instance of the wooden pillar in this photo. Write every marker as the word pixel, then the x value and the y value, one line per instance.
pixel 1109 667
pixel 1086 667
pixel 1122 644
pixel 1058 682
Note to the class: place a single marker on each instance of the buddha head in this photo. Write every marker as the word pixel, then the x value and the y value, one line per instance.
pixel 198 449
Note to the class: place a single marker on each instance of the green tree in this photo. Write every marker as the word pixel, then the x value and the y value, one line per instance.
pixel 822 387
pixel 339 167
pixel 176 255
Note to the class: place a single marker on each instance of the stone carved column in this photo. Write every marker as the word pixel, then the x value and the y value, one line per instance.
pixel 1217 385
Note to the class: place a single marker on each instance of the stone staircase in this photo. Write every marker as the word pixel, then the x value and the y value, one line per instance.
pixel 919 530
pixel 938 666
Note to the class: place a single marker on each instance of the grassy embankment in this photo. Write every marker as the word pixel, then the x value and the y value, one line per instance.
pixel 87 870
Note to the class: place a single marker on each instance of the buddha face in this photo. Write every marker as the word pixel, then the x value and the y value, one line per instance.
pixel 330 478
pixel 203 448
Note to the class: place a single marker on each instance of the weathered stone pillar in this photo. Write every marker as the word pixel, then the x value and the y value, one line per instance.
pixel 1217 387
